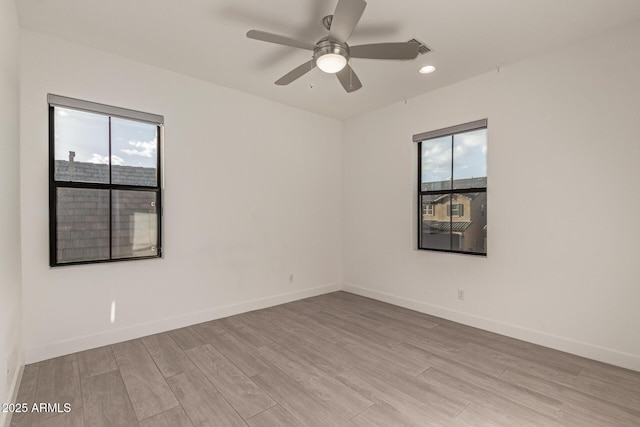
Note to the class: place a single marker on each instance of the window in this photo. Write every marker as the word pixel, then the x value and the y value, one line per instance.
pixel 104 183
pixel 452 189
pixel 428 209
pixel 455 210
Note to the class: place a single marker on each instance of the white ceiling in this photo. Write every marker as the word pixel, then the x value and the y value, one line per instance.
pixel 206 39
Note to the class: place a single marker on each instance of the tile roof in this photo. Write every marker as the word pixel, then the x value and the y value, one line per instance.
pixel 457 184
pixel 446 225
pixel 99 173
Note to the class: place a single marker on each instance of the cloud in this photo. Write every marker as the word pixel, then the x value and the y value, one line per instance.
pixel 143 149
pixel 436 158
pixel 97 158
pixel 115 160
pixel 104 160
pixel 472 139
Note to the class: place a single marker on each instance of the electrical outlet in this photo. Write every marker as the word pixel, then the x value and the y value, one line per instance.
pixel 461 294
pixel 291 278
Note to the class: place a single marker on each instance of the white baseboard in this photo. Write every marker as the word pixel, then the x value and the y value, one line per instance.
pixel 62 348
pixel 5 417
pixel 590 351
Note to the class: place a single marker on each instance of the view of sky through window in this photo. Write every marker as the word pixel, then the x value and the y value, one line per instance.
pixel 469 157
pixel 87 135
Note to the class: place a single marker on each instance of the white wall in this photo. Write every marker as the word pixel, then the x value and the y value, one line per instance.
pixel 10 291
pixel 563 202
pixel 252 195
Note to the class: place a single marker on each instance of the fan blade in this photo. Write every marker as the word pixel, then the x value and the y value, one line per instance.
pixel 405 50
pixel 277 39
pixel 349 80
pixel 345 18
pixel 296 73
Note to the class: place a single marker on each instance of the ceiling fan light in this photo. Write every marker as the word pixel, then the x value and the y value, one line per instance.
pixel 331 62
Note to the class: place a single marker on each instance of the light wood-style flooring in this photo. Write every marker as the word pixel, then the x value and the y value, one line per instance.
pixel 333 360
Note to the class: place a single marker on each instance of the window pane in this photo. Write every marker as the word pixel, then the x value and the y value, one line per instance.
pixel 435 229
pixel 469 222
pixel 82 225
pixel 436 164
pixel 134 152
pixel 81 146
pixel 470 159
pixel 135 224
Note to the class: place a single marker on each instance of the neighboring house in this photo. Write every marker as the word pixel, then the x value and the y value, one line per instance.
pixel 83 216
pixel 95 172
pixel 461 217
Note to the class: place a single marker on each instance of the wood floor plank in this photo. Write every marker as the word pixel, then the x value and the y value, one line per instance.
pixel 301 403
pixel 242 355
pixel 597 408
pixel 503 360
pixel 241 392
pixel 148 391
pixel 235 326
pixel 26 394
pixel 96 361
pixel 58 383
pixel 209 330
pixel 389 338
pixel 613 392
pixel 406 316
pixel 475 415
pixel 105 401
pixel 172 418
pixel 356 303
pixel 392 321
pixel 366 346
pixel 202 402
pixel 307 306
pixel 380 393
pixel 71 419
pixel 620 377
pixel 429 342
pixel 382 414
pixel 607 371
pixel 276 416
pixel 170 359
pixel 578 416
pixel 481 361
pixel 447 403
pixel 538 355
pixel 355 329
pixel 315 354
pixel 496 406
pixel 482 379
pixel 333 342
pixel 320 339
pixel 187 338
pixel 346 401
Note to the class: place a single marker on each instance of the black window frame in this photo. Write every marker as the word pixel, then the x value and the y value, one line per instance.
pixel 110 112
pixel 426 136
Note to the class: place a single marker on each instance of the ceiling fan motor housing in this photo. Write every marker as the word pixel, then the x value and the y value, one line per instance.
pixel 331 56
pixel 325 46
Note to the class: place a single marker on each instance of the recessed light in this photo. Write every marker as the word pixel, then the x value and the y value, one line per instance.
pixel 427 69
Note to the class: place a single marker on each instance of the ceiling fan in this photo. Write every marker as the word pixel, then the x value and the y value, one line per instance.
pixel 332 53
